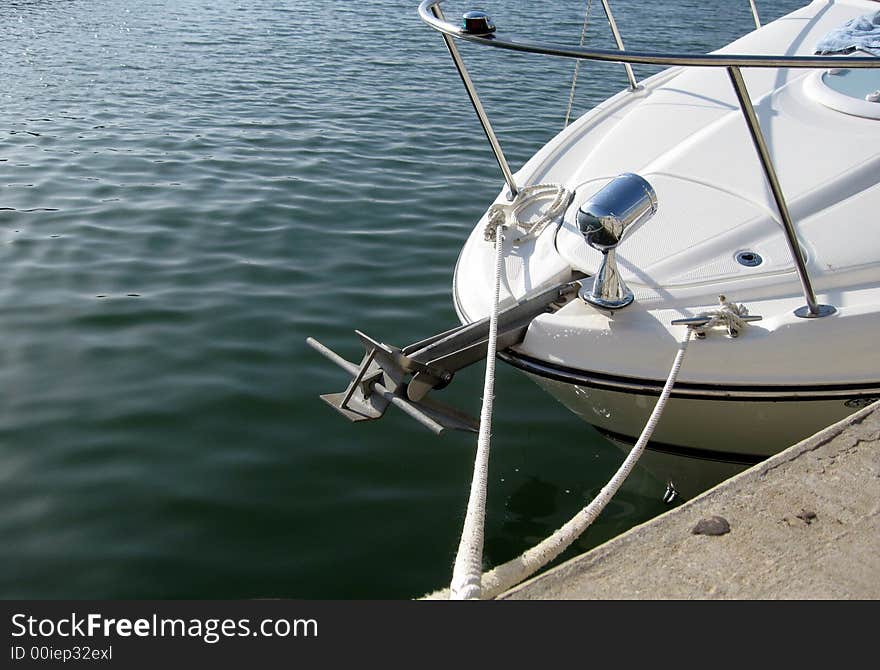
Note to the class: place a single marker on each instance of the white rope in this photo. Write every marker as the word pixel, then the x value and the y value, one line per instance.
pixel 510 214
pixel 468 568
pixel 467 581
pixel 728 314
pixel 577 64
pixel 513 572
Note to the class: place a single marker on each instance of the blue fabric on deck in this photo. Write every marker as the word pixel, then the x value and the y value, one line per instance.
pixel 862 33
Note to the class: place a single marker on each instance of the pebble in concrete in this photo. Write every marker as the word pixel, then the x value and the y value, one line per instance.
pixel 713 525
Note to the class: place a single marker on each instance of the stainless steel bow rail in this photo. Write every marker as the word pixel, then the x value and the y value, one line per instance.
pixel 483 32
pixel 388 375
pixel 403 377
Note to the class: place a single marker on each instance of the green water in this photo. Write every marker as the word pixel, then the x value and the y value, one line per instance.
pixel 188 189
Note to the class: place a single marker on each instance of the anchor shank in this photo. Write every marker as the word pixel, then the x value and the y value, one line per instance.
pixel 470 339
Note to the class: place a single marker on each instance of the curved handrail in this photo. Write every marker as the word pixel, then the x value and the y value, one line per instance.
pixel 430 13
pixel 643 57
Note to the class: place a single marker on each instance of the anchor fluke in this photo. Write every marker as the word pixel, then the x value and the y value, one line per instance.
pixel 373 389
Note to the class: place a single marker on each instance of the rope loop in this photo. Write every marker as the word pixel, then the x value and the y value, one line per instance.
pixel 532 210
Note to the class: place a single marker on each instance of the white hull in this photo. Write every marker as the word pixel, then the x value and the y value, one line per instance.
pixel 699 443
pixel 737 400
pixel 719 429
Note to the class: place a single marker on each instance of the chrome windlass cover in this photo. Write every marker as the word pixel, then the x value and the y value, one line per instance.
pixel 621 206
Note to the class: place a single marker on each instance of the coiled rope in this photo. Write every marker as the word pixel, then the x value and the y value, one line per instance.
pixel 523 216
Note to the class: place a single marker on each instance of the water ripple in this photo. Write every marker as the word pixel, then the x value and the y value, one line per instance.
pixel 188 189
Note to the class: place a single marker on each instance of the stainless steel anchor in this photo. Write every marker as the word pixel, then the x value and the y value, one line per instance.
pixel 388 375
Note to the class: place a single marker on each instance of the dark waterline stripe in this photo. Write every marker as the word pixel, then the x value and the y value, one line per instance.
pixel 697 391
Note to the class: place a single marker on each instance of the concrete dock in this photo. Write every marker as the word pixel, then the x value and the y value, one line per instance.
pixel 805 524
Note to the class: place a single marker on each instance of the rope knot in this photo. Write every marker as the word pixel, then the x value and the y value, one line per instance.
pixel 728 314
pixel 497 217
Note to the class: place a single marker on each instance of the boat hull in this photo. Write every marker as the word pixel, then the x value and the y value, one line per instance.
pixel 727 427
pixel 726 229
pixel 698 442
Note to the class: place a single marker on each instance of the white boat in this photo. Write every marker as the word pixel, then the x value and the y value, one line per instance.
pixel 751 173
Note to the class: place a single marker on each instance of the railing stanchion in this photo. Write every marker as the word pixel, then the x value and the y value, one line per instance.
pixel 478 107
pixel 430 13
pixel 619 40
pixel 755 14
pixel 812 309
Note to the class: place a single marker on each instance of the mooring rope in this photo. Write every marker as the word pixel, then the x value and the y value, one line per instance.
pixel 509 574
pixel 468 569
pixel 467 582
